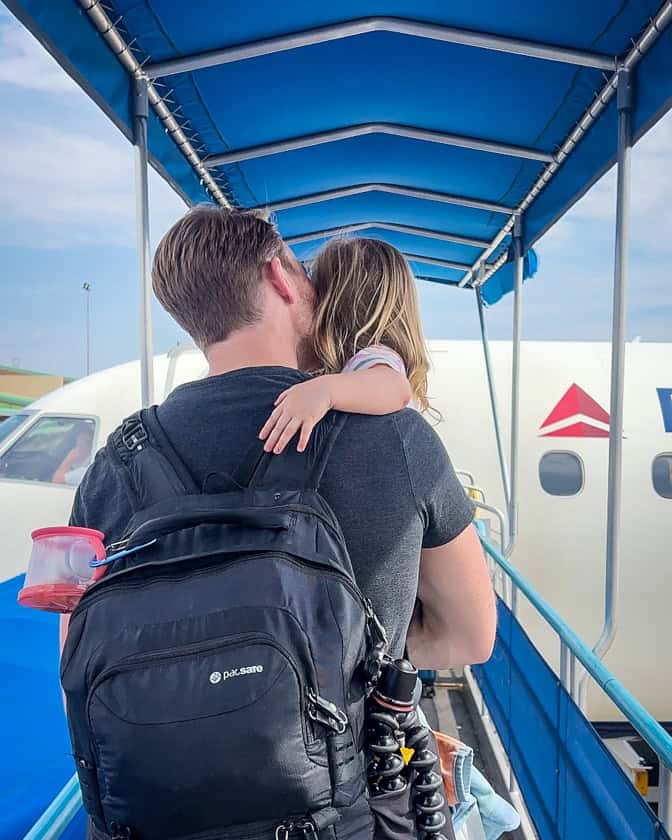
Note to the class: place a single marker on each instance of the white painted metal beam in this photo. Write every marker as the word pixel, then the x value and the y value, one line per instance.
pixel 320 138
pixel 414 231
pixel 363 26
pixel 391 189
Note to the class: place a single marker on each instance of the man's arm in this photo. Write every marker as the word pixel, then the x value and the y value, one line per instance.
pixel 455 618
pixel 455 621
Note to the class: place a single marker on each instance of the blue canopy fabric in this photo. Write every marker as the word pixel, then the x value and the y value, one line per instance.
pixel 501 283
pixel 380 77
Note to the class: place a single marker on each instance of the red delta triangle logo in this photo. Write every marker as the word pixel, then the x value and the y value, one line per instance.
pixel 577 415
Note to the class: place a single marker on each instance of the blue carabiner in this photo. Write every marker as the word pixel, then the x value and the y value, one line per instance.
pixel 107 560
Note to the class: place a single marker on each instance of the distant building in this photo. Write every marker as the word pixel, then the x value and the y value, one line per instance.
pixel 18 388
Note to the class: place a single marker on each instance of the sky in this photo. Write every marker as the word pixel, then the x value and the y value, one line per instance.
pixel 67 216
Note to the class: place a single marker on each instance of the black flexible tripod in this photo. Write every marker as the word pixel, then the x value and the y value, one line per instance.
pixel 393 724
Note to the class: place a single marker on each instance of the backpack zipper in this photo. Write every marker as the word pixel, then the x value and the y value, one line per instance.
pixel 293 508
pixel 122 544
pixel 90 594
pixel 375 628
pixel 130 663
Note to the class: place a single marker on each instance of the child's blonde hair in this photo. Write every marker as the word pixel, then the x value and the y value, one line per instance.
pixel 365 294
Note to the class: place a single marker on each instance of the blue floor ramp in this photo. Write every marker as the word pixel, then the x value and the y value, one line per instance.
pixel 571 784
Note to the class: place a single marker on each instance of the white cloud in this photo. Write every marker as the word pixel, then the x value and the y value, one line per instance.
pixel 68 185
pixel 651 189
pixel 66 172
pixel 62 188
pixel 25 64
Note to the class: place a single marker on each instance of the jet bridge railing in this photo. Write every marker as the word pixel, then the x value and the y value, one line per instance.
pixel 571 784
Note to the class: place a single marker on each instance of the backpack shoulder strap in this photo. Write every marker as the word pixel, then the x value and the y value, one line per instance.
pixel 292 469
pixel 157 471
pixel 326 437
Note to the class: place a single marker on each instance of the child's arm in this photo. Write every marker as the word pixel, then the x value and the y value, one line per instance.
pixel 377 389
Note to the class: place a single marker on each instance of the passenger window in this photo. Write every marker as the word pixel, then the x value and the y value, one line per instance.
pixel 561 473
pixel 54 449
pixel 662 475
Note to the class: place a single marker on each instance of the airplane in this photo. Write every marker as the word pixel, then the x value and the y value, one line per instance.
pixel 564 426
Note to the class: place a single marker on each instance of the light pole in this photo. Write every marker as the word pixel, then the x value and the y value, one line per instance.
pixel 87 289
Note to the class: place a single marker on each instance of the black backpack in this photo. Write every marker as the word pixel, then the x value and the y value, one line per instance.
pixel 216 675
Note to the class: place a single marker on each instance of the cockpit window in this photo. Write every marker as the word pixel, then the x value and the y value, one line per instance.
pixel 54 449
pixel 662 475
pixel 11 424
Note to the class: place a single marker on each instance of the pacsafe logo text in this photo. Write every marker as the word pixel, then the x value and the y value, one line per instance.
pixel 217 677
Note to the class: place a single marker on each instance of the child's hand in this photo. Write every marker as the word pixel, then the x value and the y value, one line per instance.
pixel 300 407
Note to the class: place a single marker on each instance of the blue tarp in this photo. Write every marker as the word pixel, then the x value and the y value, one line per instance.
pixel 375 77
pixel 571 784
pixel 35 756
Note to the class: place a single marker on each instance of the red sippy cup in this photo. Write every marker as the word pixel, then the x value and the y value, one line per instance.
pixel 59 571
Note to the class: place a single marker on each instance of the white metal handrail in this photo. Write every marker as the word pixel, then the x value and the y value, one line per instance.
pixel 573 648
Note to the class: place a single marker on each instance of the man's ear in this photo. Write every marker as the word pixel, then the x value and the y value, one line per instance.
pixel 274 272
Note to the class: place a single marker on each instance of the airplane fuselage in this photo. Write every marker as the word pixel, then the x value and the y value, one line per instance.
pixel 564 428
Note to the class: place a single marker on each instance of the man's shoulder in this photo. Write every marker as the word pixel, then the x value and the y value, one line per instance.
pixel 401 422
pixel 403 428
pixel 389 443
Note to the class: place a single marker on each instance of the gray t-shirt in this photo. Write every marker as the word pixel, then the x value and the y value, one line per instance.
pixel 389 480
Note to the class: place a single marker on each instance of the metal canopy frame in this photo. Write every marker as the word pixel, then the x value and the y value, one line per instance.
pixel 620 80
pixel 410 229
pixel 457 266
pixel 108 30
pixel 141 154
pixel 640 48
pixel 334 135
pixel 503 466
pixel 614 482
pixel 391 189
pixel 112 37
pixel 364 26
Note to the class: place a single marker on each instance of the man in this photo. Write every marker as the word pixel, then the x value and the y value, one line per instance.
pixel 229 280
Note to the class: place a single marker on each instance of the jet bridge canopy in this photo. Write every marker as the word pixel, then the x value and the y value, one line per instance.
pixel 454 131
pixel 426 124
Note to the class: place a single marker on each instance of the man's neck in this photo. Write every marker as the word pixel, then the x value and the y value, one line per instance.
pixel 251 347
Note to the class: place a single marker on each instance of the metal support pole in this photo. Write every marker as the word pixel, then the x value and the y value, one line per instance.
pixel 87 291
pixel 665 796
pixel 572 676
pixel 140 115
pixel 503 468
pixel 564 670
pixel 515 378
pixel 614 486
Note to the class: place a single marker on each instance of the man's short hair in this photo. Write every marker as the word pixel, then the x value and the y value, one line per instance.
pixel 207 270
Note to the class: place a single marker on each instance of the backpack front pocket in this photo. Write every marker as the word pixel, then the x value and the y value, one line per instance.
pixel 204 736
